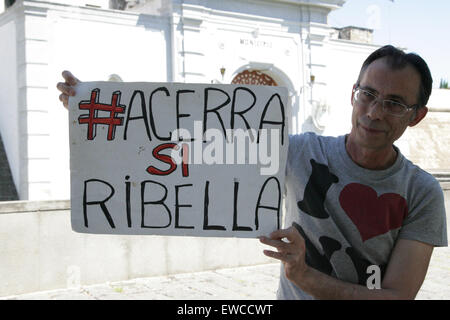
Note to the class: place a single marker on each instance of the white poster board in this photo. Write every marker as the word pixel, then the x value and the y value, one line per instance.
pixel 177 158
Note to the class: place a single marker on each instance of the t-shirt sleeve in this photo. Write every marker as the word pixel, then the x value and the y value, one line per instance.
pixel 426 221
pixel 297 142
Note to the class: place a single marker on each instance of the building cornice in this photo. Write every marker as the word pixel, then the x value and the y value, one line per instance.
pixel 330 4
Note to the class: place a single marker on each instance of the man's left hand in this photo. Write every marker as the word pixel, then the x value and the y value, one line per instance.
pixel 291 252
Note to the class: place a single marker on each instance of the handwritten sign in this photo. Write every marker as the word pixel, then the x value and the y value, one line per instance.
pixel 177 158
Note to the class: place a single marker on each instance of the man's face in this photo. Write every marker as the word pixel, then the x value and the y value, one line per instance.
pixel 374 129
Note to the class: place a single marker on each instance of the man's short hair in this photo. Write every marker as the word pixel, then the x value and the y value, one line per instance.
pixel 398 59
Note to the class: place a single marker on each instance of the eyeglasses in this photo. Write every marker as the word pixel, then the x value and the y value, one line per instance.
pixel 367 98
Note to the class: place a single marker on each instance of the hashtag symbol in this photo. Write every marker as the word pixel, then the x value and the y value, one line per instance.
pixel 92 119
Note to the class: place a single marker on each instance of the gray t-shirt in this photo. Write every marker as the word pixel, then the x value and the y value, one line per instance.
pixel 351 217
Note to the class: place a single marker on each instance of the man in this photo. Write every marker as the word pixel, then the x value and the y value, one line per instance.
pixel 357 205
pixel 358 209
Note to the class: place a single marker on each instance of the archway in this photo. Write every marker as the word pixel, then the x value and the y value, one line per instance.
pixel 254 77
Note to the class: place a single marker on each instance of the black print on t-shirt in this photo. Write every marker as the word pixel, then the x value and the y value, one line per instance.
pixel 313 204
pixel 321 262
pixel 316 189
pixel 361 265
pixel 313 257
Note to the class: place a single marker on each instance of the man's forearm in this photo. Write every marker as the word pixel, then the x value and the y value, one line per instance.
pixel 324 287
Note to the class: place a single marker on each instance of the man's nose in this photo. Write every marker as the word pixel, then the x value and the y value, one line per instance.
pixel 376 109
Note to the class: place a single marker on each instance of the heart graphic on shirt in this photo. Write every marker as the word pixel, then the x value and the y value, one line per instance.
pixel 373 215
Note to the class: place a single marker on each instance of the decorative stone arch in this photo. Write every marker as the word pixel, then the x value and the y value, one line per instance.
pixel 254 77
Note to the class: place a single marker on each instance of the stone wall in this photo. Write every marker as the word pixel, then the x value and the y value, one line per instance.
pixel 39 251
pixel 356 34
pixel 429 142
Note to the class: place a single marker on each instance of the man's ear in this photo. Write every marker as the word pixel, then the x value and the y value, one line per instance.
pixel 419 115
pixel 353 93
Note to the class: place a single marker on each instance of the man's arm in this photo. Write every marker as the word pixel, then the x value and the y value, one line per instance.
pixel 404 275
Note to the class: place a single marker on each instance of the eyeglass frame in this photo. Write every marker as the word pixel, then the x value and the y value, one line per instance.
pixel 406 107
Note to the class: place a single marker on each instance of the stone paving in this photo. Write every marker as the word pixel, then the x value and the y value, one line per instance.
pixel 244 283
pixel 253 282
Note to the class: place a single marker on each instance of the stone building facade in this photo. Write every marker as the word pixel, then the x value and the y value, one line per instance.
pixel 278 42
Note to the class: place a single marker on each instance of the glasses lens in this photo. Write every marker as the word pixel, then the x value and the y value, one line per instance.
pixel 364 97
pixel 393 107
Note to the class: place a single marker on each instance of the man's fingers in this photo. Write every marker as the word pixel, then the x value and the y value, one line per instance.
pixel 70 78
pixel 65 89
pixel 64 99
pixel 279 234
pixel 290 233
pixel 275 239
pixel 279 244
pixel 282 256
pixel 276 255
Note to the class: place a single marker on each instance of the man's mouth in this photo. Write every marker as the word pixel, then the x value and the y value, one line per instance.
pixel 371 129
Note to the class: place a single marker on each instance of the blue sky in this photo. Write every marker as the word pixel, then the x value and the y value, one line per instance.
pixel 420 26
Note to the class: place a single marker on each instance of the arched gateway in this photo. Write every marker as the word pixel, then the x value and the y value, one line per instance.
pixel 253 77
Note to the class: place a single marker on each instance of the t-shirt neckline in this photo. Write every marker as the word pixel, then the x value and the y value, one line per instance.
pixel 369 173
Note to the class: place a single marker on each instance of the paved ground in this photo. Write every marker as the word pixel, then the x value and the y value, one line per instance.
pixel 254 282
pixel 244 283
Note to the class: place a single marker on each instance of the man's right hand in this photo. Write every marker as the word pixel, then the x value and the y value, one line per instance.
pixel 67 87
